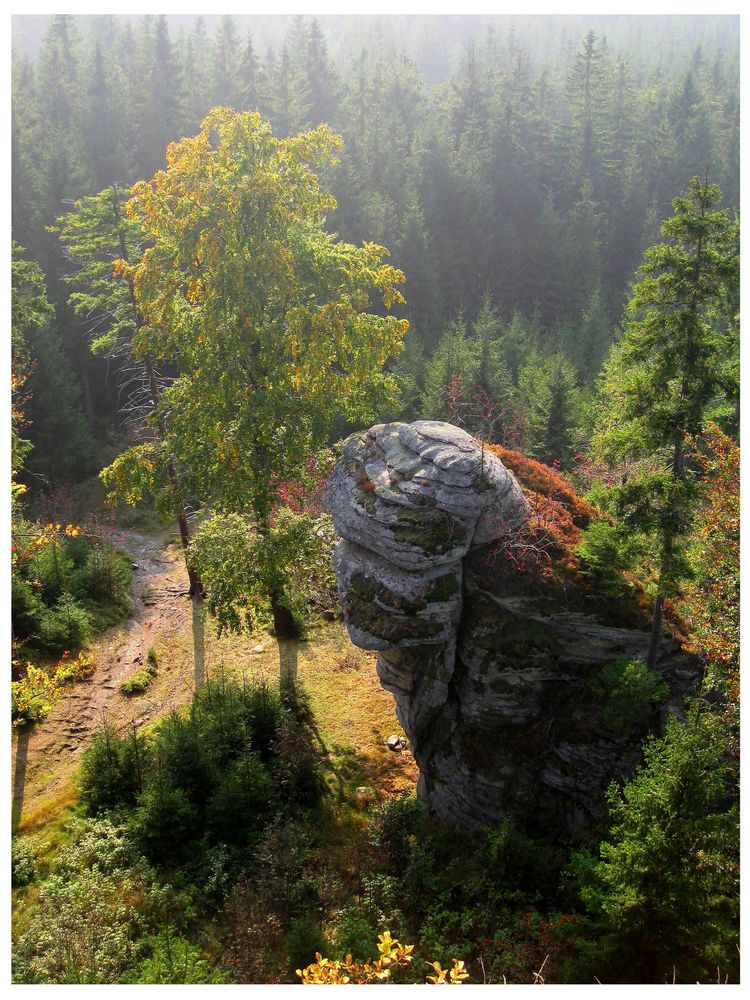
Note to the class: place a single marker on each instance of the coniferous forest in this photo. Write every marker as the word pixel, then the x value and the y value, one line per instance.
pixel 237 241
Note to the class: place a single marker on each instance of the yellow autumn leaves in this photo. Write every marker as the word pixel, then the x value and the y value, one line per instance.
pixel 392 956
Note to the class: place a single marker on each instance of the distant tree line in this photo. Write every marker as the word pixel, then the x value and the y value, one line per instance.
pixel 517 196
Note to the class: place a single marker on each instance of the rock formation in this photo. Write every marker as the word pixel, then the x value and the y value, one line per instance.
pixel 499 679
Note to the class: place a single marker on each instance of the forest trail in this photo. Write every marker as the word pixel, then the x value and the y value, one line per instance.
pixel 45 756
pixel 351 708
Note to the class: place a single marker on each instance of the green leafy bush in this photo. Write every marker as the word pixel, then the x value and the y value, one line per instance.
pixel 91 910
pixel 606 551
pixel 105 575
pixel 23 862
pixel 629 691
pixel 172 959
pixel 32 696
pixel 138 683
pixel 242 802
pixel 164 822
pixel 240 567
pixel 66 586
pixel 217 774
pixel 303 940
pixel 52 567
pixel 397 821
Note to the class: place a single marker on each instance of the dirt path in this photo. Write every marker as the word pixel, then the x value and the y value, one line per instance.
pixel 46 756
pixel 352 708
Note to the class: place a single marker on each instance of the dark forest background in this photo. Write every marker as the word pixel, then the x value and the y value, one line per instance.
pixel 516 168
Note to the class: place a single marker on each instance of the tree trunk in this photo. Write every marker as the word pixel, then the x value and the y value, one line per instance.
pixel 678 464
pixel 653 649
pixel 199 642
pixel 88 405
pixel 284 622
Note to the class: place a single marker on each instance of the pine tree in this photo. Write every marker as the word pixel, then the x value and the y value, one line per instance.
pixel 413 254
pixel 57 431
pixel 251 78
pixel 321 81
pixel 550 402
pixel 667 377
pixel 95 235
pixel 594 337
pixel 227 60
pixel 159 111
pixel 109 158
pixel 198 62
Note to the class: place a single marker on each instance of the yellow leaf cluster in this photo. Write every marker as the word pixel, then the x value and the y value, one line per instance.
pixel 393 955
pixel 448 977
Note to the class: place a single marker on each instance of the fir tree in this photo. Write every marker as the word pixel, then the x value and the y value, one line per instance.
pixel 667 377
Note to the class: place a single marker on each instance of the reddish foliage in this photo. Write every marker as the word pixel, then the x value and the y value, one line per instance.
pixel 547 481
pixel 305 498
pixel 543 547
pixel 712 603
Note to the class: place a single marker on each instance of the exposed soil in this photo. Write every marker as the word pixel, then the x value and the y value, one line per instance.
pixel 351 707
pixel 45 756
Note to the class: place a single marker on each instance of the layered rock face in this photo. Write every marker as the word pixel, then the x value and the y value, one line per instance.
pixel 500 694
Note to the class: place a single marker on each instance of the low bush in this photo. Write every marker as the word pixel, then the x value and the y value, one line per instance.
pixel 66 625
pixel 301 943
pixel 91 911
pixel 217 774
pixel 32 696
pixel 171 958
pixel 23 862
pixel 138 683
pixel 113 769
pixel 629 691
pixel 66 586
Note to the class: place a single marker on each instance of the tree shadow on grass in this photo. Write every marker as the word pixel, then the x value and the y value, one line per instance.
pixel 19 776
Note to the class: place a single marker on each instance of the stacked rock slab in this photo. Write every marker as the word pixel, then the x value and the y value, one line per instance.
pixel 409 501
pixel 500 696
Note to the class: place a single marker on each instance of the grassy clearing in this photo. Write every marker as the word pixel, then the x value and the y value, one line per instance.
pixel 353 714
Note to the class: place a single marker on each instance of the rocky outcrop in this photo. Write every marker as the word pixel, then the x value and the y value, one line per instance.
pixel 506 693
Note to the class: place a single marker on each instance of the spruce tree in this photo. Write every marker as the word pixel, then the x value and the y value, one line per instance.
pixel 54 419
pixel 668 377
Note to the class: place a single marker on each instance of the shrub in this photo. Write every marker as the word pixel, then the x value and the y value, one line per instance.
pixel 301 944
pixel 173 959
pixel 90 912
pixel 32 696
pixel 664 890
pixel 23 862
pixel 629 691
pixel 152 661
pixel 242 802
pixel 53 568
pixel 397 822
pixel 296 770
pixel 105 575
pixel 113 770
pixel 164 822
pixel 65 626
pixel 65 585
pixel 138 683
pixel 606 552
pixel 27 609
